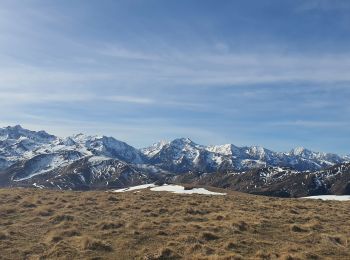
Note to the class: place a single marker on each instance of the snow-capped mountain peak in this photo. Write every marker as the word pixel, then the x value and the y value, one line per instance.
pixel 38 153
pixel 16 132
pixel 154 148
pixel 109 147
pixel 225 149
pixel 259 152
pixel 231 157
pixel 17 143
pixel 182 142
pixel 301 151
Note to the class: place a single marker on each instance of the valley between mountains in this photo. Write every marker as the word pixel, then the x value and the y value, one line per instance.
pixel 80 162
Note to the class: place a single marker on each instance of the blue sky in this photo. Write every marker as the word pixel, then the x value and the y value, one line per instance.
pixel 272 73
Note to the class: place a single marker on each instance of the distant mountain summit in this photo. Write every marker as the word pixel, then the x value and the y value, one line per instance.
pixel 183 155
pixel 81 161
pixel 17 143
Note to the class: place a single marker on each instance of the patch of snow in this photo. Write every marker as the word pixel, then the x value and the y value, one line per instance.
pixel 279 169
pixel 170 188
pixel 329 197
pixel 181 190
pixel 96 159
pixel 81 176
pixel 38 186
pixel 139 187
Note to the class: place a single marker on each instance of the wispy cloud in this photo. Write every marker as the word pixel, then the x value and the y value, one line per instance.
pixel 232 72
pixel 311 124
pixel 54 96
pixel 16 98
pixel 190 69
pixel 130 99
pixel 125 53
pixel 324 5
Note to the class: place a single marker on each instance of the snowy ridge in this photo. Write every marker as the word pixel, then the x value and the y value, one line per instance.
pixel 154 148
pixel 183 155
pixel 80 161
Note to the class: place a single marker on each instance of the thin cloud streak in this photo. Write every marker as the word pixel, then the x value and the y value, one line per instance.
pixel 129 99
pixel 311 124
pixel 27 98
pixel 196 69
pixel 323 5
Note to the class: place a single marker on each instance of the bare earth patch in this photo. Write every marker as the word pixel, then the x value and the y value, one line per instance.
pixel 46 224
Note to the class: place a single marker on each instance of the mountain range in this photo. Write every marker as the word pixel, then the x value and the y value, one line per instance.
pixel 82 162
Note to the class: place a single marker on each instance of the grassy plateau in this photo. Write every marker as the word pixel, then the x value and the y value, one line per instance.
pixel 48 224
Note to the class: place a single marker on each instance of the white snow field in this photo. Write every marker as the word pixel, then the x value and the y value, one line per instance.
pixel 171 188
pixel 181 190
pixel 330 197
pixel 139 187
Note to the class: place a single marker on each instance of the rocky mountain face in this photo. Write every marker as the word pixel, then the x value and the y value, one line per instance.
pixel 17 143
pixel 180 156
pixel 78 162
pixel 81 162
pixel 183 155
pixel 277 181
pixel 90 172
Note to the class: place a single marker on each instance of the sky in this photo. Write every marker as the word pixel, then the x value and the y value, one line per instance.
pixel 273 73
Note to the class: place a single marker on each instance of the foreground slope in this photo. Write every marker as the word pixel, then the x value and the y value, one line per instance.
pixel 47 224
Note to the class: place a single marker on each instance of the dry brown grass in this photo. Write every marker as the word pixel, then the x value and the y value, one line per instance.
pixel 44 224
